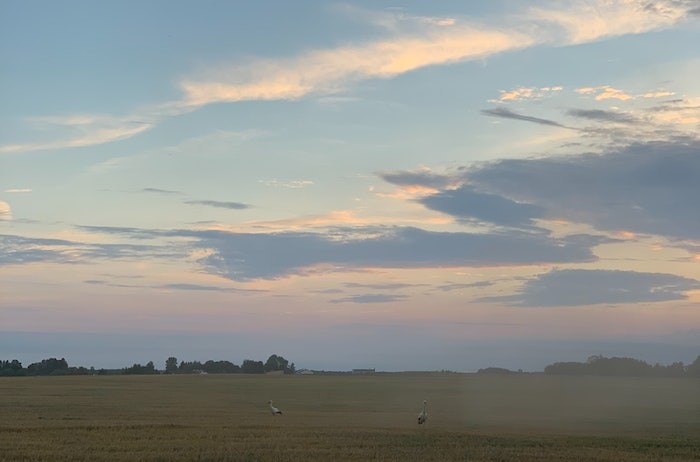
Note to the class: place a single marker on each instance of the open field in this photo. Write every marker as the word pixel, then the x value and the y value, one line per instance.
pixel 344 417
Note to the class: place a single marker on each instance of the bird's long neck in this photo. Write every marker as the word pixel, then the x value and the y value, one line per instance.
pixel 424 403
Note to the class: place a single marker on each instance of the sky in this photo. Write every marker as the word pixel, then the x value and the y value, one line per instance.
pixel 366 184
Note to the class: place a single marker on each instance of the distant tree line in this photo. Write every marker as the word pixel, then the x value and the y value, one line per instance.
pixel 55 366
pixel 595 365
pixel 51 366
pixel 498 370
pixel 627 367
pixel 274 363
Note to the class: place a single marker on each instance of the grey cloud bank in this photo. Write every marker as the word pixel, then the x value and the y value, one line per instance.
pixel 645 188
pixel 649 187
pixel 576 287
pixel 242 256
pixel 246 256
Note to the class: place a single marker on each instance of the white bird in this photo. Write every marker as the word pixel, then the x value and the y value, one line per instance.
pixel 423 416
pixel 273 409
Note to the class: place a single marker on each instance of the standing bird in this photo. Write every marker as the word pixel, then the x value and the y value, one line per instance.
pixel 423 416
pixel 273 409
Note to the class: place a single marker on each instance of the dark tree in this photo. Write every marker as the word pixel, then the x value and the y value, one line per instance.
pixel 138 369
pixel 252 367
pixel 276 363
pixel 11 368
pixel 51 366
pixel 220 367
pixel 566 368
pixel 189 367
pixel 495 370
pixel 693 369
pixel 171 365
pixel 676 369
pixel 620 367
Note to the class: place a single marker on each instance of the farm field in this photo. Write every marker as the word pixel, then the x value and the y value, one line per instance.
pixel 348 417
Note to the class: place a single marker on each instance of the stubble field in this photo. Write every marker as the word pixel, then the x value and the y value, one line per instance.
pixel 345 417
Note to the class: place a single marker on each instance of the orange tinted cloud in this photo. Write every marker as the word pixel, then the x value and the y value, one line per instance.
pixel 5 211
pixel 325 70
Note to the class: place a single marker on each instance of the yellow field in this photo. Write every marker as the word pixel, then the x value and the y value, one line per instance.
pixel 343 417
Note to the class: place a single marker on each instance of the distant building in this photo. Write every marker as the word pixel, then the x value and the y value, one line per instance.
pixel 363 371
pixel 305 372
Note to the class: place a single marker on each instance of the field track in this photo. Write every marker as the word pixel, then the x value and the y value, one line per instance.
pixel 344 417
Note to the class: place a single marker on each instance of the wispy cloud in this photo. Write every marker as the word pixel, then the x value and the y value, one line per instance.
pixel 683 112
pixel 82 131
pixel 369 298
pixel 324 71
pixel 160 191
pixel 291 184
pixel 604 92
pixel 23 250
pixel 657 94
pixel 525 93
pixel 202 287
pixel 393 19
pixel 382 286
pixel 18 190
pixel 341 218
pixel 220 204
pixel 581 22
pixel 631 120
pixel 459 286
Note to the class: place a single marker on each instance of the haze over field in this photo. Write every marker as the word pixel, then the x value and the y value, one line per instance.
pixel 421 185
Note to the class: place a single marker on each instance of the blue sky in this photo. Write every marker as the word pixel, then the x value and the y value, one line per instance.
pixel 350 184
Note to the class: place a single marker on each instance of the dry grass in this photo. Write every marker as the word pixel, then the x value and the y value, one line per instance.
pixel 225 418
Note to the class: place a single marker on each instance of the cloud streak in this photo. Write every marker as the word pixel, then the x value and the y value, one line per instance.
pixel 600 115
pixel 220 204
pixel 369 298
pixel 84 131
pixel 323 71
pixel 508 114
